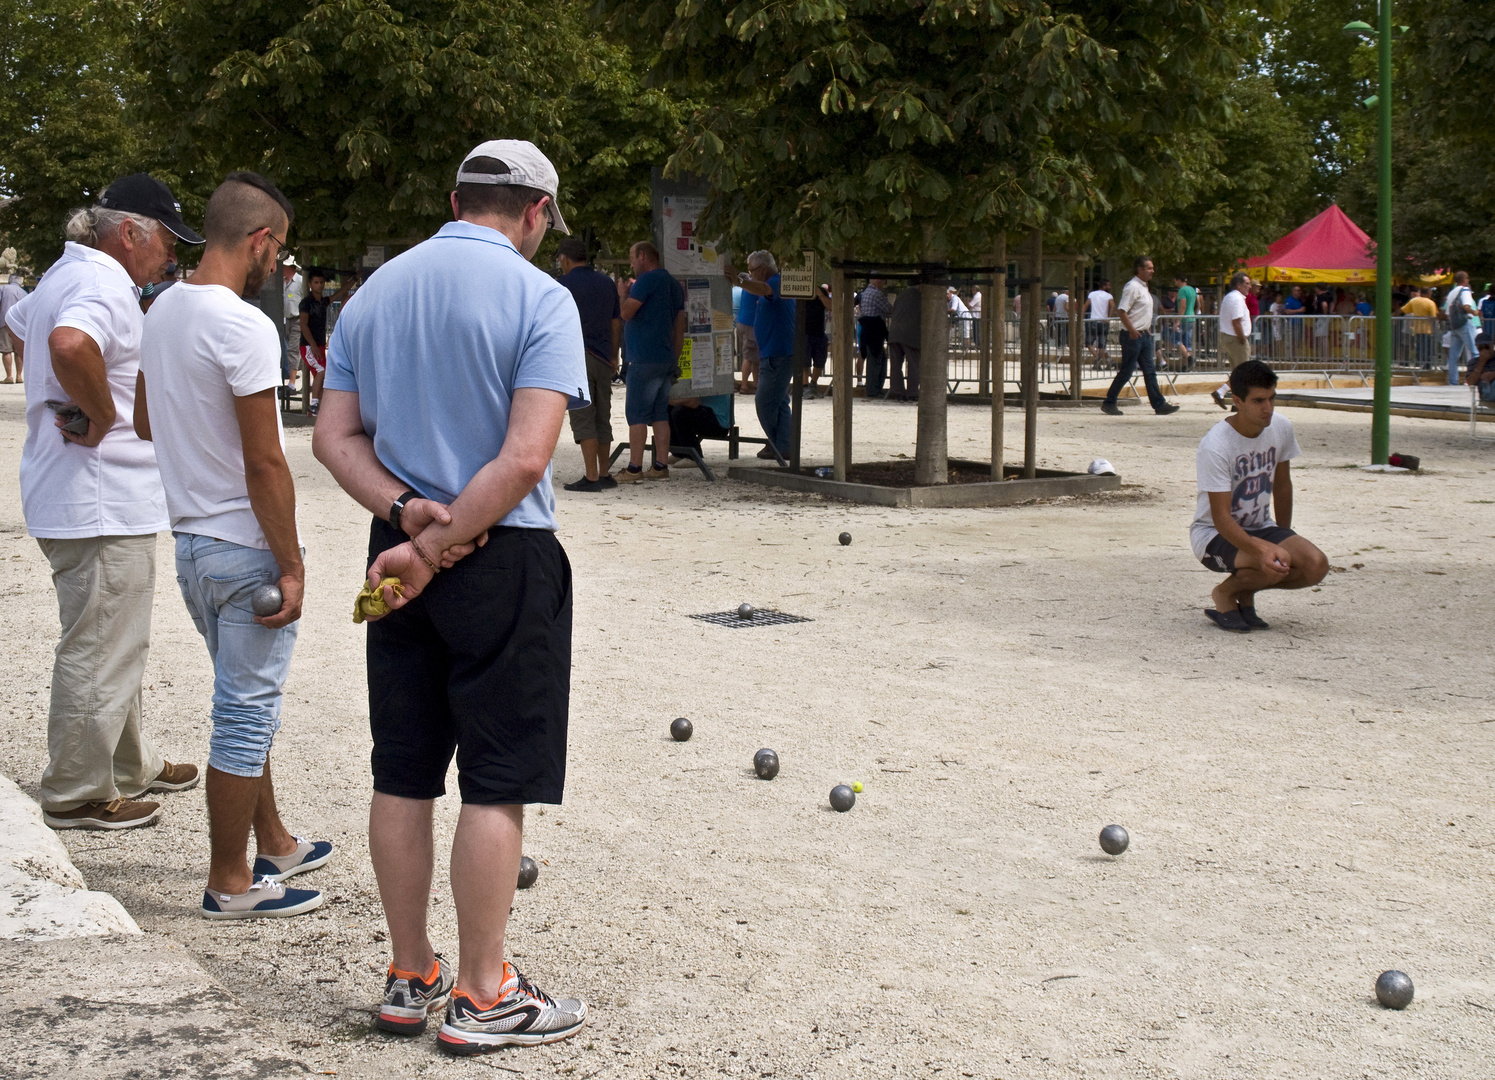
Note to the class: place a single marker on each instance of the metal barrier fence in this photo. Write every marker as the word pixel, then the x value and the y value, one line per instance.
pixel 1343 343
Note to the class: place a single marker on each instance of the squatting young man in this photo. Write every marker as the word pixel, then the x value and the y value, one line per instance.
pixel 1244 474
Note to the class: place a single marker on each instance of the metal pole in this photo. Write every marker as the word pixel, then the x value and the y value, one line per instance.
pixel 994 332
pixel 1380 421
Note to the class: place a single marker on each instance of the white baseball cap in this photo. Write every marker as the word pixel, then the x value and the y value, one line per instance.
pixel 1101 467
pixel 528 167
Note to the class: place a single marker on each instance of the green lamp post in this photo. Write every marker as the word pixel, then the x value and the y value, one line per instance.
pixel 1380 421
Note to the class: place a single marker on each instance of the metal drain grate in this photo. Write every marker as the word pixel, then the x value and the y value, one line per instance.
pixel 731 620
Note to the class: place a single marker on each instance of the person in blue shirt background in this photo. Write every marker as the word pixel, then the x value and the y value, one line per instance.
pixel 773 326
pixel 1487 312
pixel 653 333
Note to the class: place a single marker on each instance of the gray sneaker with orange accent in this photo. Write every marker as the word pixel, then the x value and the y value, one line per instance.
pixel 409 997
pixel 523 1015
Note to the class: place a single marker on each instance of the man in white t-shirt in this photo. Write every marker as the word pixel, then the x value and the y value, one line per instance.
pixel 1136 312
pixel 293 291
pixel 1098 318
pixel 93 500
pixel 1235 321
pixel 206 397
pixel 1244 474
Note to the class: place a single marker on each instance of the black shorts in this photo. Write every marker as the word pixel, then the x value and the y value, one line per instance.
pixel 817 345
pixel 479 664
pixel 1220 554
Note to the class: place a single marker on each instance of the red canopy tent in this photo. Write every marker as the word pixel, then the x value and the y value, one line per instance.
pixel 1329 248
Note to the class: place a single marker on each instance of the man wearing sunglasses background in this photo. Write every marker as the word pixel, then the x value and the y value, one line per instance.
pixel 448 375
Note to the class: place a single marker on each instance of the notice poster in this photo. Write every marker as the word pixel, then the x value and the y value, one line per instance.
pixel 697 306
pixel 684 253
pixel 703 367
pixel 724 359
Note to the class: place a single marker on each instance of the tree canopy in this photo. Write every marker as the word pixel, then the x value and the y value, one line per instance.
pixel 909 126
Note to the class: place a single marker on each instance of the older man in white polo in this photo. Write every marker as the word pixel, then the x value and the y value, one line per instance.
pixel 92 498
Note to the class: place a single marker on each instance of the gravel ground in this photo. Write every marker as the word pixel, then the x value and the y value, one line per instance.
pixel 1307 806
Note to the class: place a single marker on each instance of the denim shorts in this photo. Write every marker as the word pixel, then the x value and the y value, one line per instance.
pixel 646 398
pixel 250 661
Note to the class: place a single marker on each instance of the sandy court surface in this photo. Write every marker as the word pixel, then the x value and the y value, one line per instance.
pixel 1308 806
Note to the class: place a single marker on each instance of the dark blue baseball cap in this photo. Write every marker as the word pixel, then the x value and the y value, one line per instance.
pixel 148 197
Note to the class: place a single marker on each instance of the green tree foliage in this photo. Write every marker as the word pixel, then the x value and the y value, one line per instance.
pixel 1443 153
pixel 361 110
pixel 65 81
pixel 1255 188
pixel 1322 75
pixel 903 127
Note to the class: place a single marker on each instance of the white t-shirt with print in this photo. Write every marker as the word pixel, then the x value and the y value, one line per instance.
pixel 1228 461
pixel 71 492
pixel 203 347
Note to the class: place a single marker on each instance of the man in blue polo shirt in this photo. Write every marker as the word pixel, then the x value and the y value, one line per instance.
pixel 773 326
pixel 448 375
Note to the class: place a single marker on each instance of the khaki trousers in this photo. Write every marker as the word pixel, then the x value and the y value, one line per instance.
pixel 1234 351
pixel 96 750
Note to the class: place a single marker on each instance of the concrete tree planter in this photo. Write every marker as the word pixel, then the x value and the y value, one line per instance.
pixel 890 484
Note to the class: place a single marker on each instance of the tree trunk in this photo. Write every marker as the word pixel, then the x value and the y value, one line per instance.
pixel 931 449
pixel 843 342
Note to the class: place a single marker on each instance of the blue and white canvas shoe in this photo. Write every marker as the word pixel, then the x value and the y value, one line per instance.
pixel 309 855
pixel 265 899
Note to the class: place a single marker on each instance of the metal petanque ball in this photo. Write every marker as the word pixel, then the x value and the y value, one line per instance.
pixel 1114 840
pixel 842 798
pixel 746 611
pixel 766 764
pixel 845 539
pixel 266 600
pixel 1394 989
pixel 529 870
pixel 681 729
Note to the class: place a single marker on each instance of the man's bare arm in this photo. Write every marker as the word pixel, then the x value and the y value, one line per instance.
pixel 142 416
pixel 1282 494
pixel 272 497
pixel 79 365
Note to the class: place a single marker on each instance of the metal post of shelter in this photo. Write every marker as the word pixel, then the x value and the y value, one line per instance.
pixel 1075 327
pixel 1032 305
pixel 994 333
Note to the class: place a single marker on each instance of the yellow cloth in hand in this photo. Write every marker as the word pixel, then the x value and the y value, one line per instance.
pixel 370 602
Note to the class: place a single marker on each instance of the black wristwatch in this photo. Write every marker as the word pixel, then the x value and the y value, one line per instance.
pixel 398 506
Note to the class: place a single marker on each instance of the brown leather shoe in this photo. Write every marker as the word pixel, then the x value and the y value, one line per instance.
pixel 175 778
pixel 119 814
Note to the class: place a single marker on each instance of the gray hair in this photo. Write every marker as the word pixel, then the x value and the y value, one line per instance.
pixel 1238 277
pixel 89 225
pixel 16 279
pixel 764 259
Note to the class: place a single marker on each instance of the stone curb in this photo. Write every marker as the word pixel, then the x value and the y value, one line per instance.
pixel 42 894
